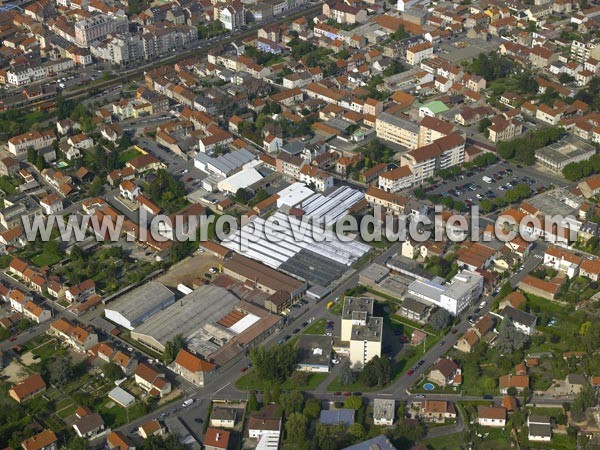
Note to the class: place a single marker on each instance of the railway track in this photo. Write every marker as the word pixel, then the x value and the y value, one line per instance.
pixel 130 75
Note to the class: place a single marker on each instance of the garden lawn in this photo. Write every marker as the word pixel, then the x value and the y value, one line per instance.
pixel 45 259
pixel 455 441
pixel 317 327
pixel 127 155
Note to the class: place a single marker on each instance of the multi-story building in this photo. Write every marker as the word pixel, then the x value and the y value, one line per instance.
pixel 432 129
pixel 444 153
pixel 361 330
pixel 160 39
pixel 397 130
pixel 119 49
pixel 582 51
pixel 396 179
pixel 232 16
pixel 502 129
pixel 37 140
pixel 96 28
pixel 19 75
pixel 455 297
pixel 417 53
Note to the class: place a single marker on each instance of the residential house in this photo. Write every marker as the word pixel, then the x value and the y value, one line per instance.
pixel 519 382
pixel 445 372
pixel 521 320
pixel 81 291
pixel 119 441
pixel 192 368
pixel 89 426
pixel 151 428
pixel 36 313
pixel 27 388
pixel 79 338
pixel 437 410
pixel 215 439
pixel 491 416
pixel 45 440
pixel 539 428
pixel 223 417
pixel 384 411
pixel 129 190
pixel 151 380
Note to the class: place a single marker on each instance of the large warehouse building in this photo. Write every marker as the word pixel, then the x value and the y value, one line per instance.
pixel 186 316
pixel 318 256
pixel 136 306
pixel 213 322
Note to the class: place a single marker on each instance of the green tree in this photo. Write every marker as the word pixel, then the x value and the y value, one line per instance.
pixel 440 319
pixel 353 402
pixel 346 375
pixel 357 432
pixel 252 404
pixel 312 408
pixel 483 124
pixel 241 196
pixel 509 338
pixel 295 429
pixel 112 371
pixel 60 371
pixel 274 364
pixel 78 443
pixel 172 349
pixel 95 186
pixel 291 402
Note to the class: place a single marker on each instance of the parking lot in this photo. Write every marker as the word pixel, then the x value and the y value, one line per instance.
pixel 470 187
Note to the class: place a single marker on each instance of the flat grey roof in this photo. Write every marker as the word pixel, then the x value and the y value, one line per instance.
pixel 384 408
pixel 380 442
pixel 228 162
pixel 337 416
pixel 375 272
pixel 313 267
pixel 462 283
pixel 207 304
pixel 141 300
pixel 398 122
pixel 427 289
pixel 414 305
pixel 372 331
pixel 353 305
pixel 314 350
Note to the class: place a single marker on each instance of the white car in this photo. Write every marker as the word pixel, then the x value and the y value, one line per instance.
pixel 482 304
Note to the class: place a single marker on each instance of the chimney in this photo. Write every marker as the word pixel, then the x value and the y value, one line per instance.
pixel 218 437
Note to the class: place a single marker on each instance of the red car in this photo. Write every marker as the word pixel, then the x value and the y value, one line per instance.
pixel 243 369
pixel 13 339
pixel 347 394
pixel 410 372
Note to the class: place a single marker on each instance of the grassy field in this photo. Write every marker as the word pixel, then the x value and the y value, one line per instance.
pixel 317 327
pixel 127 155
pixel 45 259
pixel 454 441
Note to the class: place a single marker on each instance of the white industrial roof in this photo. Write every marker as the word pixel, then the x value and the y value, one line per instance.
pixel 239 180
pixel 244 323
pixel 293 195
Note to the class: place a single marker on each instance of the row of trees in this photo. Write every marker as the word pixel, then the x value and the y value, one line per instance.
pixel 522 150
pixel 577 170
pixel 275 364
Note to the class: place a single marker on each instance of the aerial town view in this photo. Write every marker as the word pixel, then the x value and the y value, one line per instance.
pixel 299 224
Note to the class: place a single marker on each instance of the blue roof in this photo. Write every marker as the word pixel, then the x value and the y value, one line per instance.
pixel 380 441
pixel 337 416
